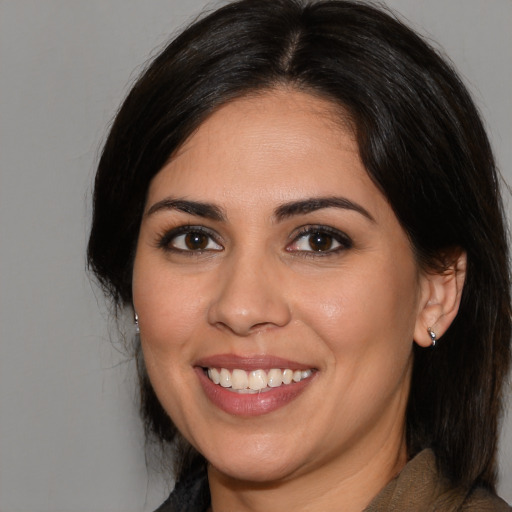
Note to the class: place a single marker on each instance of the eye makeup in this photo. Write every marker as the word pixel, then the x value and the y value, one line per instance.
pixel 188 240
pixel 319 240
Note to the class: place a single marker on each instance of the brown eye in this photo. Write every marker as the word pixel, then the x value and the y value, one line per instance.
pixel 320 241
pixel 196 241
pixel 323 240
pixel 187 239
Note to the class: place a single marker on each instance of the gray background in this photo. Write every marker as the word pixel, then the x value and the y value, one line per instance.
pixel 70 439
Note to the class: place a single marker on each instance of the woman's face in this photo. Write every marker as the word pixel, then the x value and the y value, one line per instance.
pixel 265 246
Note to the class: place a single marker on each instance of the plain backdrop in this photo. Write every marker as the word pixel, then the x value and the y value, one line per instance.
pixel 70 438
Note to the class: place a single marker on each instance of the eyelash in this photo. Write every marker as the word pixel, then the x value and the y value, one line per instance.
pixel 165 241
pixel 337 236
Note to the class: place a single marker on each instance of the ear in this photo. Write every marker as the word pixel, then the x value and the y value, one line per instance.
pixel 441 292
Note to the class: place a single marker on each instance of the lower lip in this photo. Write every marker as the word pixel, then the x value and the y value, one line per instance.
pixel 251 404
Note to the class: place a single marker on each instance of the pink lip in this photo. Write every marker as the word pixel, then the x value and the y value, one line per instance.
pixel 249 363
pixel 249 405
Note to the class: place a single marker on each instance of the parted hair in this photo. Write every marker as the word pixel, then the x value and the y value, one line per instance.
pixel 423 144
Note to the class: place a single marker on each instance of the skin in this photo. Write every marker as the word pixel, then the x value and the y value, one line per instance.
pixel 351 311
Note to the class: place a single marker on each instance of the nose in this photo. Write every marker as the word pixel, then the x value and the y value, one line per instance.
pixel 249 298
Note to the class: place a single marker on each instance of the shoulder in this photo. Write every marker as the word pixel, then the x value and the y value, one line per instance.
pixel 482 500
pixel 421 487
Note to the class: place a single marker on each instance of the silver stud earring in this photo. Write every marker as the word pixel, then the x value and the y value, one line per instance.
pixel 136 320
pixel 433 336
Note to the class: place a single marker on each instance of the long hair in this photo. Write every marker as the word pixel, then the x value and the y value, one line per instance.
pixel 422 142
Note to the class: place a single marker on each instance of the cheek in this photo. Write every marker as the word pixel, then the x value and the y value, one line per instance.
pixel 168 313
pixel 361 308
pixel 169 308
pixel 366 322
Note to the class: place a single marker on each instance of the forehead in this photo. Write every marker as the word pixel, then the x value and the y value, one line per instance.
pixel 269 147
pixel 271 119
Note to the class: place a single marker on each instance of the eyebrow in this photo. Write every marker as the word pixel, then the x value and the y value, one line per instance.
pixel 287 210
pixel 205 210
pixel 318 203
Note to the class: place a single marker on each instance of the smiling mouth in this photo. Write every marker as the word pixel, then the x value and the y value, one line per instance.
pixel 256 381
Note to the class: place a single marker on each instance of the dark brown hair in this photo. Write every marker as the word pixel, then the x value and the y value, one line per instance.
pixel 422 142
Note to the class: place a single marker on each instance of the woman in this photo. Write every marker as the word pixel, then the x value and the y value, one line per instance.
pixel 300 204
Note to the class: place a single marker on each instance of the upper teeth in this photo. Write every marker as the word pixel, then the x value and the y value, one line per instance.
pixel 256 380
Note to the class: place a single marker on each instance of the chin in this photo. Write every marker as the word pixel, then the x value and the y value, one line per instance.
pixel 256 471
pixel 265 462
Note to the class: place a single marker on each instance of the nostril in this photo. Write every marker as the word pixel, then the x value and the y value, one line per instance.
pixel 262 326
pixel 247 303
pixel 241 329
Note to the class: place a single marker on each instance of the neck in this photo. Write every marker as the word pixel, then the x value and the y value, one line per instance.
pixel 349 484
